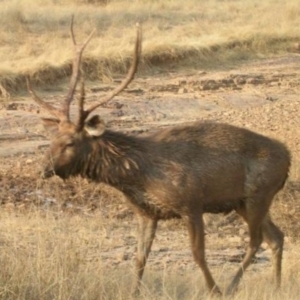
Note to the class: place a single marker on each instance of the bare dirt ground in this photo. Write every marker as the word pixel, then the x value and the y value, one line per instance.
pixel 262 96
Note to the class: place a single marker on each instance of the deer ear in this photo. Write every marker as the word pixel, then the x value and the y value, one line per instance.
pixel 51 125
pixel 94 126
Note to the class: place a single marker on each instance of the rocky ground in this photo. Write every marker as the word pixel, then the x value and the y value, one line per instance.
pixel 261 95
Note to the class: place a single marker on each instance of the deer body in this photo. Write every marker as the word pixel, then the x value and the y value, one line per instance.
pixel 180 172
pixel 206 166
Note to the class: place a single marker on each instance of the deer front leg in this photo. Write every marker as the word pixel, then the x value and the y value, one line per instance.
pixel 146 233
pixel 196 233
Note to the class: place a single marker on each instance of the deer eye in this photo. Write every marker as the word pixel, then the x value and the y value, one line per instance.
pixel 69 144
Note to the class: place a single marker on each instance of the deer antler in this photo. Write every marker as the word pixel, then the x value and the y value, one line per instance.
pixel 52 110
pixel 63 114
pixel 83 114
pixel 78 49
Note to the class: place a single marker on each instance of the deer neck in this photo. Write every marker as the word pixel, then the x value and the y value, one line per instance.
pixel 115 159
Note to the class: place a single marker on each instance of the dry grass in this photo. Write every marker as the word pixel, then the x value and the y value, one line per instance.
pixel 55 239
pixel 45 257
pixel 198 33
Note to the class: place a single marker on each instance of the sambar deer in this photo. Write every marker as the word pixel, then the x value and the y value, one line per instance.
pixel 179 172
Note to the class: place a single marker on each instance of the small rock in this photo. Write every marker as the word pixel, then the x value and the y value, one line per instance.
pixel 122 256
pixel 242 231
pixel 264 246
pixel 236 88
pixel 134 91
pixel 210 85
pixel 296 46
pixel 274 83
pixel 254 80
pixel 239 80
pixel 163 249
pixel 157 248
pixel 11 106
pixel 226 81
pixel 9 206
pixel 234 239
pixel 214 235
pixel 116 105
pixel 117 113
pixel 182 91
pixel 21 207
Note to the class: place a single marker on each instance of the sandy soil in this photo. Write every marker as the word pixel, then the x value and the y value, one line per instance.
pixel 169 98
pixel 261 95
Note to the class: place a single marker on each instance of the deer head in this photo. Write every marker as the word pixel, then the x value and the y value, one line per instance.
pixel 73 139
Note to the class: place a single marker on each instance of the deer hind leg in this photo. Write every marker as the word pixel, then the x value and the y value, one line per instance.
pixel 253 213
pixel 146 233
pixel 275 239
pixel 196 233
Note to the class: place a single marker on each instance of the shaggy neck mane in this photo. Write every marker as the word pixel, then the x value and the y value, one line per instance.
pixel 114 158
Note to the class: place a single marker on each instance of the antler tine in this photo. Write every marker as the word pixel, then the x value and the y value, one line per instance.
pixel 54 111
pixel 81 103
pixel 72 31
pixel 75 69
pixel 128 78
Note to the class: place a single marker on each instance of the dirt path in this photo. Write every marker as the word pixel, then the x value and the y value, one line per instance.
pixel 263 96
pixel 159 101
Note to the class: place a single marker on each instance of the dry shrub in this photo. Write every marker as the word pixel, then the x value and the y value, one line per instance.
pixel 205 34
pixel 44 256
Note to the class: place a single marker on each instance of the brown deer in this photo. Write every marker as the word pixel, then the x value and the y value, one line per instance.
pixel 179 172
